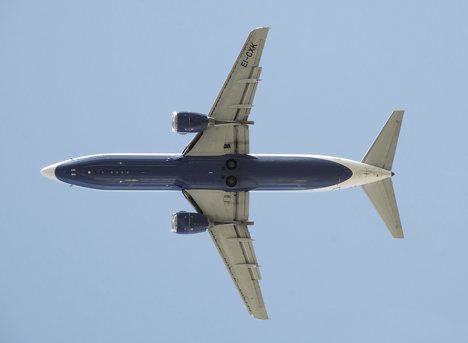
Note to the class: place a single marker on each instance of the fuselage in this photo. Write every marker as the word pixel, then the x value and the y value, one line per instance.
pixel 226 172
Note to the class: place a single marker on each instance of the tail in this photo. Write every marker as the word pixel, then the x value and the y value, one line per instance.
pixel 381 155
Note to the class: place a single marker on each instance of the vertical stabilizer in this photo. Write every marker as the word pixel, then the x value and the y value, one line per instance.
pixel 381 155
pixel 382 152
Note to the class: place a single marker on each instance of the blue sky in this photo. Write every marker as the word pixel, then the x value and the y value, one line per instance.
pixel 78 265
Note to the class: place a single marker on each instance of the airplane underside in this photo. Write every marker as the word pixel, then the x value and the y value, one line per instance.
pixel 216 171
pixel 232 173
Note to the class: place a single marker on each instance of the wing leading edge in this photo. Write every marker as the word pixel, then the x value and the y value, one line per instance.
pixel 229 212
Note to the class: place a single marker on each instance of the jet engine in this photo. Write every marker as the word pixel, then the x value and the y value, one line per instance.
pixel 186 122
pixel 185 222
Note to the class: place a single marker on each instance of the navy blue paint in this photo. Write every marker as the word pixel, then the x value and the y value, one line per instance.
pixel 178 172
pixel 187 122
pixel 189 223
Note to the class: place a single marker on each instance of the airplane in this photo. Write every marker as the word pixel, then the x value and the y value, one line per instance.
pixel 216 172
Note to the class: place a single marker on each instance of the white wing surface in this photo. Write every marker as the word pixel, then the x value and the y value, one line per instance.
pixel 382 196
pixel 230 111
pixel 229 211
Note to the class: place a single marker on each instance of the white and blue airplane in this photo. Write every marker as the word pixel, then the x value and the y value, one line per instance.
pixel 216 172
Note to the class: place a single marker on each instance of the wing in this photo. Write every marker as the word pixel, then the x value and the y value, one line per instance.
pixel 232 106
pixel 230 211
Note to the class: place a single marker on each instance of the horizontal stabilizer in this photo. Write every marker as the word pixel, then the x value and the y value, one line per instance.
pixel 382 196
pixel 382 151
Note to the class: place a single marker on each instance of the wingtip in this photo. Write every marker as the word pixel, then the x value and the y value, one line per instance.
pixel 260 317
pixel 259 313
pixel 261 28
pixel 398 113
pixel 398 234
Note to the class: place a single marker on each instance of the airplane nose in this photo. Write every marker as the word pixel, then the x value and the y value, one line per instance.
pixel 49 172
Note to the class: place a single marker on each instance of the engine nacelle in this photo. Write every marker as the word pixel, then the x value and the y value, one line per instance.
pixel 185 222
pixel 186 122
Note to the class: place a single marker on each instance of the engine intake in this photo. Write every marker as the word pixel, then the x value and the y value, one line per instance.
pixel 185 223
pixel 186 122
